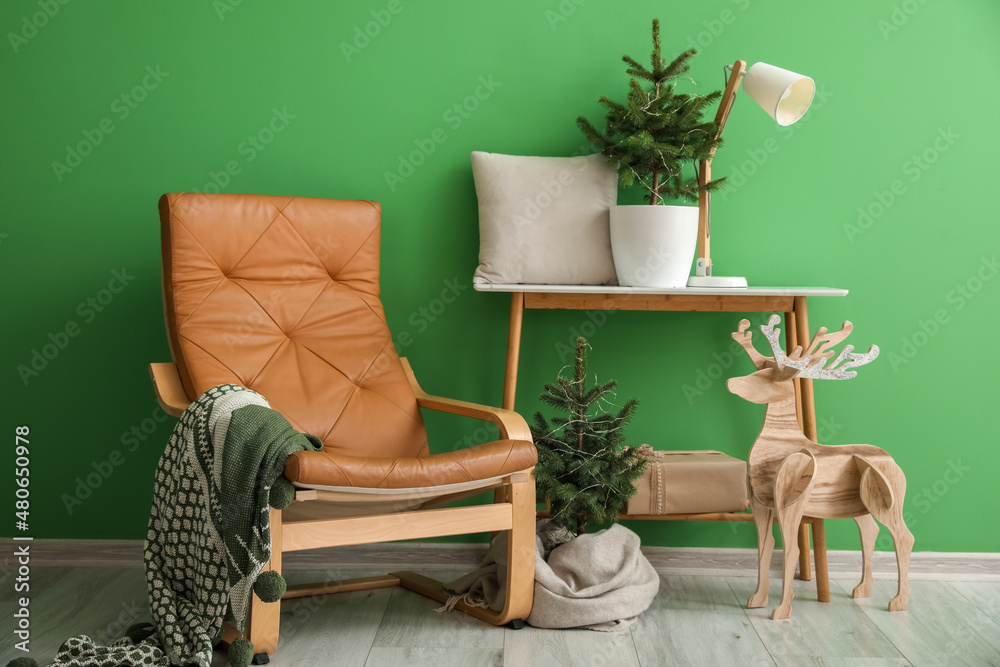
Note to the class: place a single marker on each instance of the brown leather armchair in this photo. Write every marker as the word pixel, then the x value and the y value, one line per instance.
pixel 281 295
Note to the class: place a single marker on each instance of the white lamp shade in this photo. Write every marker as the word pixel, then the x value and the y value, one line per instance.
pixel 784 95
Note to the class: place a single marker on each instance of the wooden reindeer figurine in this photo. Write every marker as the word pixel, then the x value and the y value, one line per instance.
pixel 794 477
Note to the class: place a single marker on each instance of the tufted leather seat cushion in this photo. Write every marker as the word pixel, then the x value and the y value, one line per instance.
pixel 280 294
pixel 486 461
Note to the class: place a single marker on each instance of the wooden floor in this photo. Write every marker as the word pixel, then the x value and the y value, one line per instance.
pixel 698 618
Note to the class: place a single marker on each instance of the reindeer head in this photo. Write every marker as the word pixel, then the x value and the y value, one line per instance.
pixel 772 382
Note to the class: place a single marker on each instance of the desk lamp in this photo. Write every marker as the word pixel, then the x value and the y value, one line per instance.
pixel 785 96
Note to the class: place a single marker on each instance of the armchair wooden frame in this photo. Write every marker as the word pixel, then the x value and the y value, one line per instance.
pixel 513 511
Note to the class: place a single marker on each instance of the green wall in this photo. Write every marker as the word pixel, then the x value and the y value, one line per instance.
pixel 885 188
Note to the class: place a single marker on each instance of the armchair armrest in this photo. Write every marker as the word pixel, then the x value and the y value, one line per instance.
pixel 512 425
pixel 169 388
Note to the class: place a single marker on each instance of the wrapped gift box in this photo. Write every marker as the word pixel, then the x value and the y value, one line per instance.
pixel 689 483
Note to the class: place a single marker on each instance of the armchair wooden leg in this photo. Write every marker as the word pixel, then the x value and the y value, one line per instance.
pixel 520 586
pixel 499 496
pixel 520 553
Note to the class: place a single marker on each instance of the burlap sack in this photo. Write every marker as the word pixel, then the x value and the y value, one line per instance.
pixel 600 581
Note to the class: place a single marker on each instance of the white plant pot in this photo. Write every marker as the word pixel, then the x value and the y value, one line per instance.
pixel 654 246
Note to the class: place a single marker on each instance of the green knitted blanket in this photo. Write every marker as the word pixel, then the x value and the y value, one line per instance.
pixel 208 536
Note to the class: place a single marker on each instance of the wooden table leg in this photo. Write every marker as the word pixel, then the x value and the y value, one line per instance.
pixel 806 385
pixel 810 431
pixel 819 550
pixel 513 350
pixel 510 374
pixel 791 341
pixel 805 564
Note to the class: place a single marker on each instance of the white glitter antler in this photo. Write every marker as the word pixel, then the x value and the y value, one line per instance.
pixel 812 362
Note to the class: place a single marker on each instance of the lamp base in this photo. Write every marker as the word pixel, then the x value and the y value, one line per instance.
pixel 713 282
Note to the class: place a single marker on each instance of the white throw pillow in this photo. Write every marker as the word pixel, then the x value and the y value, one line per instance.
pixel 544 220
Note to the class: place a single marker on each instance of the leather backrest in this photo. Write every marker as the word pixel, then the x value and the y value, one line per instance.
pixel 281 295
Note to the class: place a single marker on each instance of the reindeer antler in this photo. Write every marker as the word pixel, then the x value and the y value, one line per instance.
pixel 772 334
pixel 838 370
pixel 811 363
pixel 828 341
pixel 744 338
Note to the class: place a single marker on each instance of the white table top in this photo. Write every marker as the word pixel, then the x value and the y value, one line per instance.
pixel 694 291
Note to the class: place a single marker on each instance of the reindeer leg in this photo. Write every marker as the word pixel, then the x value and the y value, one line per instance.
pixel 869 531
pixel 882 493
pixel 793 484
pixel 789 519
pixel 763 516
pixel 902 540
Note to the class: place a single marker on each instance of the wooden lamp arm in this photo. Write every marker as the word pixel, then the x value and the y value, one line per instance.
pixel 705 167
pixel 512 425
pixel 169 388
pixel 729 96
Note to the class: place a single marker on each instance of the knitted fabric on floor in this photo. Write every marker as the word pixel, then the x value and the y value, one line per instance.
pixel 208 536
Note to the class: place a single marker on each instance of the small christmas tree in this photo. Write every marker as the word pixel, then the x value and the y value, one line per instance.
pixel 657 132
pixel 582 468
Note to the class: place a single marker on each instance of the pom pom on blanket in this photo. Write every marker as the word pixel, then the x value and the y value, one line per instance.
pixel 241 653
pixel 270 586
pixel 282 494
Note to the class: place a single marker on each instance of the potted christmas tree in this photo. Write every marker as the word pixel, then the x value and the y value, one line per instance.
pixel 651 138
pixel 583 469
pixel 599 579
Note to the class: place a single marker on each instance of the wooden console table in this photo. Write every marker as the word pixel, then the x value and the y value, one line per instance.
pixel 788 300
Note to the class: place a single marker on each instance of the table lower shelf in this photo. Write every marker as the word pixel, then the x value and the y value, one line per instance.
pixel 707 516
pixel 745 517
